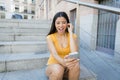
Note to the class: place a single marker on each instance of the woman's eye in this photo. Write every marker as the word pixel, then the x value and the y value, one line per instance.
pixel 58 22
pixel 64 22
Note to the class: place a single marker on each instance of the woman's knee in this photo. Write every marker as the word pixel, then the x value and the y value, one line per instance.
pixel 74 70
pixel 76 67
pixel 55 70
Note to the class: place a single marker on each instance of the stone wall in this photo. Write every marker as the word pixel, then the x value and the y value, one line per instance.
pixel 117 42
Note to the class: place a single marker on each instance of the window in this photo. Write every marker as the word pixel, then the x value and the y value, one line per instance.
pixel 25 17
pixel 25 9
pixel 33 10
pixel 33 1
pixel 2 16
pixel 16 8
pixel 2 8
pixel 16 16
pixel 32 17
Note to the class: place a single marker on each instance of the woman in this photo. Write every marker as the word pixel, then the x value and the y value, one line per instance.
pixel 61 41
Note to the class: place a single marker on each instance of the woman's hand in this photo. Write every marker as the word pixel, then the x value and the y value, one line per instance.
pixel 70 27
pixel 70 62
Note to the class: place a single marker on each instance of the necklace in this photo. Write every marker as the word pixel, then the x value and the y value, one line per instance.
pixel 62 40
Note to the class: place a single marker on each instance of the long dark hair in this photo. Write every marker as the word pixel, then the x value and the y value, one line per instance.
pixel 59 14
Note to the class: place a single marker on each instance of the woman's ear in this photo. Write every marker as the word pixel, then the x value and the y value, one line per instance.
pixel 68 25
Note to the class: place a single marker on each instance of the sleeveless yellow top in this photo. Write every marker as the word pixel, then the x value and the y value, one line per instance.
pixel 61 51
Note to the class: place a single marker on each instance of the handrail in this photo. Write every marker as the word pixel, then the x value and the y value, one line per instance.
pixel 91 5
pixel 96 6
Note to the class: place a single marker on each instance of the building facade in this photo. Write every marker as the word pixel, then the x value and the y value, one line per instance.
pixel 98 28
pixel 19 9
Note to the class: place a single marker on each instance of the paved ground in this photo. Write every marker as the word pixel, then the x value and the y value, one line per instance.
pixel 101 64
pixel 39 74
pixel 23 75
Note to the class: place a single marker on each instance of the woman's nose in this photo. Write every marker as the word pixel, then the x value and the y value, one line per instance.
pixel 61 24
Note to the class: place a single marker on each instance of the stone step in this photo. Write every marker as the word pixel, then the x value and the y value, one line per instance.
pixel 25 30
pixel 34 25
pixel 23 61
pixel 24 23
pixel 23 47
pixel 39 74
pixel 23 34
pixel 22 37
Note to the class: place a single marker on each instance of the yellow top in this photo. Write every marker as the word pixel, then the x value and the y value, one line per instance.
pixel 61 51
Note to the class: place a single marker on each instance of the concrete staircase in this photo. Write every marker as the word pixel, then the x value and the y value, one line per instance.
pixel 23 44
pixel 39 74
pixel 23 51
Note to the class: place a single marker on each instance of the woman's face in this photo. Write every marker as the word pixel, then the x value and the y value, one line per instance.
pixel 61 25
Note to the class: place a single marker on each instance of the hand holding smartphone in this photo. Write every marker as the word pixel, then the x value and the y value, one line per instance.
pixel 74 55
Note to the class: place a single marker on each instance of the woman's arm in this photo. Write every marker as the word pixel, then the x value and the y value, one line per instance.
pixel 53 51
pixel 73 39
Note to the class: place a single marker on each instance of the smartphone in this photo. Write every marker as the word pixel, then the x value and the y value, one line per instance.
pixel 74 55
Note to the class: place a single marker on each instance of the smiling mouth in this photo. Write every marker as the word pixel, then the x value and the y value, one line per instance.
pixel 61 29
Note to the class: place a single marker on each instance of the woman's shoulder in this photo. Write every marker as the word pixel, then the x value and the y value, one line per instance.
pixel 51 36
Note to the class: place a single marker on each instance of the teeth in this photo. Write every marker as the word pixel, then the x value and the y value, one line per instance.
pixel 60 28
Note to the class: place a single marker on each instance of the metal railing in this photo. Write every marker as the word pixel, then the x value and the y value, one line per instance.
pixel 96 6
pixel 90 5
